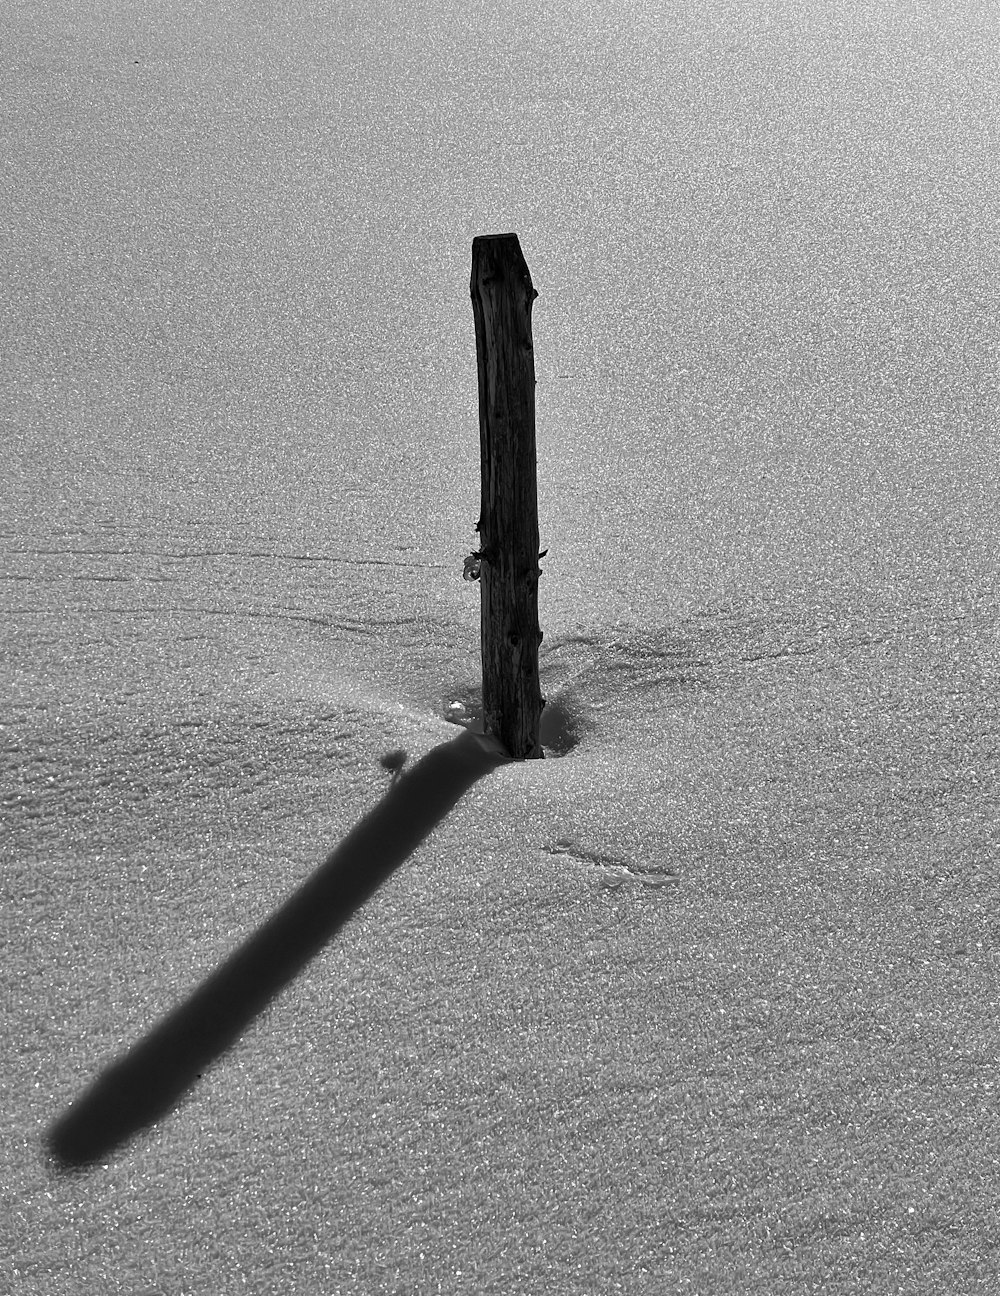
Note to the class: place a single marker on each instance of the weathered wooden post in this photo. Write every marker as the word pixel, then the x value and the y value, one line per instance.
pixel 502 295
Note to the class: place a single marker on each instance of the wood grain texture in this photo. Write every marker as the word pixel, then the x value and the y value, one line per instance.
pixel 502 297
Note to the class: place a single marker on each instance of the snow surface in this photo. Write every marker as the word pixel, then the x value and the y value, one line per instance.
pixel 706 1000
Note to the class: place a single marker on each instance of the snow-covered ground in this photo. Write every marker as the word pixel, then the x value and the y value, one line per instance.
pixel 707 1000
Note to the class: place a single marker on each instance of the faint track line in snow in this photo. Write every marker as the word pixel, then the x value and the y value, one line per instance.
pixel 151 610
pixel 613 871
pixel 224 553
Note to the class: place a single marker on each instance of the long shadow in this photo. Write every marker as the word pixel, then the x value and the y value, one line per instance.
pixel 145 1083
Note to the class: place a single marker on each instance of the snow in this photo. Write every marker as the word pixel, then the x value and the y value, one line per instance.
pixel 705 1000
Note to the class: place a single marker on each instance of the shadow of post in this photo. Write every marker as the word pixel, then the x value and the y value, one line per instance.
pixel 145 1083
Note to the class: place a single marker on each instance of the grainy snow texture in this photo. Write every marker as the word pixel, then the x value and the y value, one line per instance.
pixel 707 1001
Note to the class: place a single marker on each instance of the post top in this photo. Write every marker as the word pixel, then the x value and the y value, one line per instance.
pixel 499 256
pixel 489 238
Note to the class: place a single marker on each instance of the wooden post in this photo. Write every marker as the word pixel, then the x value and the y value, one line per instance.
pixel 502 295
